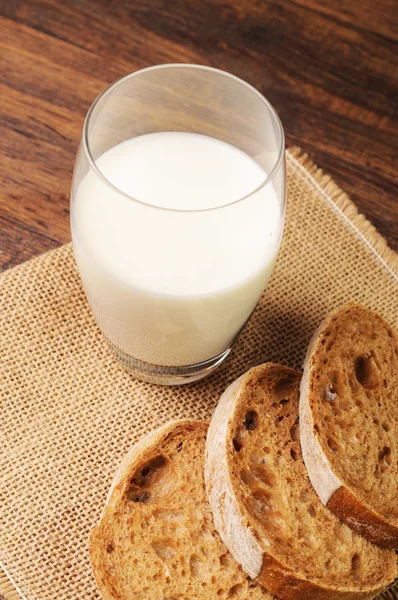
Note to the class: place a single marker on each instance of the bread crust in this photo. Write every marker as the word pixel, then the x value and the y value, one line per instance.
pixel 228 520
pixel 236 532
pixel 288 586
pixel 323 480
pixel 332 491
pixel 353 512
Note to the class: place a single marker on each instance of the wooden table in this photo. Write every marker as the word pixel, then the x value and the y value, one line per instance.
pixel 329 68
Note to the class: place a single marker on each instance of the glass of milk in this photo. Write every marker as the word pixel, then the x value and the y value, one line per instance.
pixel 177 212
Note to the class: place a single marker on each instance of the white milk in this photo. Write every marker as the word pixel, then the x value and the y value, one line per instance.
pixel 169 287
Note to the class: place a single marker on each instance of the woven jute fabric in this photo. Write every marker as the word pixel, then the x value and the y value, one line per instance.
pixel 69 411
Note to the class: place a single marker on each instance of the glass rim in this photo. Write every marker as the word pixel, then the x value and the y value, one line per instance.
pixel 268 179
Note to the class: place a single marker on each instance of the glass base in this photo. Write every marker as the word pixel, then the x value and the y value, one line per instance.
pixel 168 375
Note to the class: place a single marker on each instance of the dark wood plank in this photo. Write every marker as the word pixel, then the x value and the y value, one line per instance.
pixel 18 242
pixel 380 18
pixel 328 68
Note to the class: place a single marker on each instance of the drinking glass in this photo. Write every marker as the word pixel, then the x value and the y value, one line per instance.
pixel 177 212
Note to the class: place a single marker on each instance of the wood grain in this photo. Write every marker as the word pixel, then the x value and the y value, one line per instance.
pixel 329 69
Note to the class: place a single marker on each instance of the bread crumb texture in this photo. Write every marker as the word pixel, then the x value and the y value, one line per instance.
pixel 353 397
pixel 272 488
pixel 156 539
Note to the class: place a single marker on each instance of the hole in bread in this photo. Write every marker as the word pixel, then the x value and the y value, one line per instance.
pixel 149 472
pixel 385 453
pixel 220 592
pixel 386 427
pixel 198 567
pixel 179 446
pixel 164 548
pixel 302 531
pixel 246 477
pixel 285 386
pixel 332 444
pixel 110 548
pixel 355 562
pixel 278 420
pixel 265 475
pixel 260 504
pixel 257 459
pixel 367 372
pixel 359 405
pixel 155 479
pixel 251 420
pixel 237 591
pixel 336 385
pixel 134 494
pixel 312 510
pixel 237 445
pixel 283 402
pixel 295 431
pixel 330 393
pixel 294 454
pixel 224 560
pixel 258 393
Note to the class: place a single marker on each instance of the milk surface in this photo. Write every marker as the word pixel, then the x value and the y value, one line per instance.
pixel 171 273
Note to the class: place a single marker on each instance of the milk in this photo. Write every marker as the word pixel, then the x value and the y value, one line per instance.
pixel 171 272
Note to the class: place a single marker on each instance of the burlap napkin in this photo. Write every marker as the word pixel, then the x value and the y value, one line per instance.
pixel 69 412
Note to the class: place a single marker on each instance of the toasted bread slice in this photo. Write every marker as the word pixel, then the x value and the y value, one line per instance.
pixel 349 421
pixel 156 538
pixel 265 507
